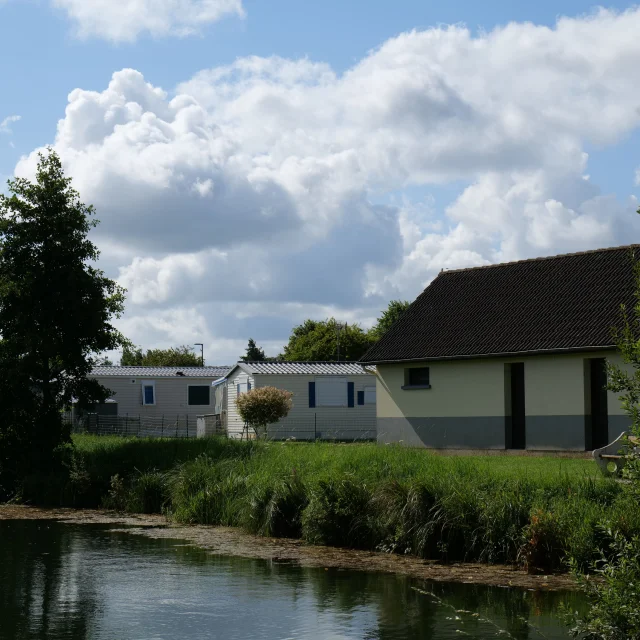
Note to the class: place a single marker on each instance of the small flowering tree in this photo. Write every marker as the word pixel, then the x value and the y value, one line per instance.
pixel 264 406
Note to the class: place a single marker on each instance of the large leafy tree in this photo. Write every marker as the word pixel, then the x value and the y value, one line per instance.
pixel 318 340
pixel 56 309
pixel 253 353
pixel 181 356
pixel 388 318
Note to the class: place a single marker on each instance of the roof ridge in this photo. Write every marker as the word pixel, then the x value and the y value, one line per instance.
pixel 541 258
pixel 298 362
pixel 155 366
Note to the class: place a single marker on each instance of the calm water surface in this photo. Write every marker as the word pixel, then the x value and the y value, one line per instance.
pixel 60 581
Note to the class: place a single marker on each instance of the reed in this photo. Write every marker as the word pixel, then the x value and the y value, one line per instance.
pixel 540 512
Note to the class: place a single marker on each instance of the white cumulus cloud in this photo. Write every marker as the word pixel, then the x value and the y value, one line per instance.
pixel 260 193
pixel 5 125
pixel 125 20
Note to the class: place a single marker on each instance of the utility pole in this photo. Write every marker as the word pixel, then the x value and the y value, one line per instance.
pixel 199 344
pixel 339 328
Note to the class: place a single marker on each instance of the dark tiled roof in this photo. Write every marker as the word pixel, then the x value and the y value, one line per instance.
pixel 303 368
pixel 162 372
pixel 545 304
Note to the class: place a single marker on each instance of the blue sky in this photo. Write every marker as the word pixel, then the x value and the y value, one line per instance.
pixel 467 147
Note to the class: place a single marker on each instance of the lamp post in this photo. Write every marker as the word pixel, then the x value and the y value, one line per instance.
pixel 199 344
pixel 339 328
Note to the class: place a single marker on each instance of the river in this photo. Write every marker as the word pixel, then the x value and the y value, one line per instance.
pixel 68 581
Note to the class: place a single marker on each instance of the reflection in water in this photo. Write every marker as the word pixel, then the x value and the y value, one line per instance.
pixel 62 581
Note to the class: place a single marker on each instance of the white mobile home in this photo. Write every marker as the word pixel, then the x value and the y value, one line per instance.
pixel 169 393
pixel 331 400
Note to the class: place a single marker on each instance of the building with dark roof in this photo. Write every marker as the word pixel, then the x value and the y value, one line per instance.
pixel 508 356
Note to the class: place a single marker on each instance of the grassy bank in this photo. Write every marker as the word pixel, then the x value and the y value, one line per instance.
pixel 534 511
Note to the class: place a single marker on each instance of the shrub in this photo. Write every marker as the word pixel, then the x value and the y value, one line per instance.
pixel 542 547
pixel 338 514
pixel 614 613
pixel 206 492
pixel 275 510
pixel 149 493
pixel 263 406
pixel 117 496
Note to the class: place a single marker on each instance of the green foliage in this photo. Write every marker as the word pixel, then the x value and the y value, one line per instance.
pixel 275 509
pixel 388 318
pixel 253 353
pixel 614 613
pixel 339 514
pixel 181 356
pixel 55 314
pixel 264 406
pixel 541 512
pixel 206 491
pixel 318 340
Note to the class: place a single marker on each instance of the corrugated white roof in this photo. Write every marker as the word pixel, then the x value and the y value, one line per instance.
pixel 304 368
pixel 162 372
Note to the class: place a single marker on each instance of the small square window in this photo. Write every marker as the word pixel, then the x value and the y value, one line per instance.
pixel 199 395
pixel 416 378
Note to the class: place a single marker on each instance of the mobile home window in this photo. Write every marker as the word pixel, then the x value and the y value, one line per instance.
pixel 243 387
pixel 148 392
pixel 416 378
pixel 199 395
pixel 331 392
pixel 369 395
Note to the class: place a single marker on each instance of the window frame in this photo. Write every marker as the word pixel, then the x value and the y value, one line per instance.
pixel 408 386
pixel 206 386
pixel 143 385
pixel 370 386
pixel 319 379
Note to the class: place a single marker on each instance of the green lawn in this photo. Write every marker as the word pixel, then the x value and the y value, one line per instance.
pixel 370 461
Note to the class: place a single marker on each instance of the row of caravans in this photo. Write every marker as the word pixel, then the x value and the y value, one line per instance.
pixel 331 400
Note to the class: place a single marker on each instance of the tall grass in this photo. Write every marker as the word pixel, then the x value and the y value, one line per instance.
pixel 539 512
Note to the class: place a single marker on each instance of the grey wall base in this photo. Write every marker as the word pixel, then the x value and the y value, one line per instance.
pixel 543 433
pixel 617 425
pixel 555 433
pixel 444 433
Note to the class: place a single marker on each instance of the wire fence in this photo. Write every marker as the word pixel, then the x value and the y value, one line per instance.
pixel 324 428
pixel 316 427
pixel 180 426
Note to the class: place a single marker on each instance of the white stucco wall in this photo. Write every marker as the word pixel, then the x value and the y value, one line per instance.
pixel 554 385
pixel 458 388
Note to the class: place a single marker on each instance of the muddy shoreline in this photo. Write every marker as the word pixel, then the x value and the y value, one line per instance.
pixel 234 542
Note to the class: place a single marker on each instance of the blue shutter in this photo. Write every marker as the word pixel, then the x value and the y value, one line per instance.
pixel 350 389
pixel 312 395
pixel 248 385
pixel 360 397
